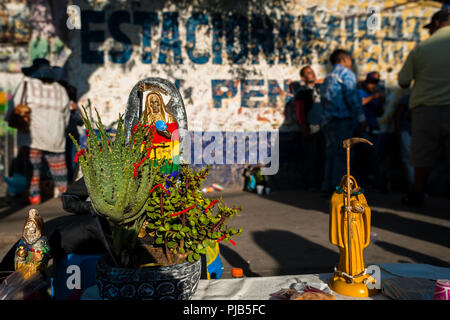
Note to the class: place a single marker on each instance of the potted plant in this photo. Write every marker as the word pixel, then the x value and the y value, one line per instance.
pixel 161 225
pixel 181 222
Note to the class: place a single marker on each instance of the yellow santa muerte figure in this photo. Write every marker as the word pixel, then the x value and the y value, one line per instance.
pixel 350 231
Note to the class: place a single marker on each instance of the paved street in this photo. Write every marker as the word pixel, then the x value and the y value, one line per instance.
pixel 287 232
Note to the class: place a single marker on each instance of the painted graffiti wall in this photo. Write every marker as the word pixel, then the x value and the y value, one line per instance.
pixel 14 35
pixel 233 64
pixel 28 30
pixel 233 61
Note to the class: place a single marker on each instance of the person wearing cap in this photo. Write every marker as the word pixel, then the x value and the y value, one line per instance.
pixel 428 65
pixel 50 113
pixel 372 99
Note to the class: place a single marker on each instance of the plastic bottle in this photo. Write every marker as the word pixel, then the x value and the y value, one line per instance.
pixel 3 98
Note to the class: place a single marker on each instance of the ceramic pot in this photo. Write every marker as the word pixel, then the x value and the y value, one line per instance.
pixel 176 282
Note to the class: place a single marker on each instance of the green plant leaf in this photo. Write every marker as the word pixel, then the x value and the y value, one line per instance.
pixel 171 244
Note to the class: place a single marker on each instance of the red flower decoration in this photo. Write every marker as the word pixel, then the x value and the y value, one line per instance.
pixel 181 212
pixel 134 129
pixel 79 153
pixel 161 187
pixel 223 237
pixel 136 166
pixel 210 205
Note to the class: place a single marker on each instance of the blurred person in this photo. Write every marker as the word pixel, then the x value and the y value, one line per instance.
pixel 389 140
pixel 368 158
pixel 75 121
pixel 50 113
pixel 372 96
pixel 17 180
pixel 290 116
pixel 341 104
pixel 309 108
pixel 427 65
pixel 403 131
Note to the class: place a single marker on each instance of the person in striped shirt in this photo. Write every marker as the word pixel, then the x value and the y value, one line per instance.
pixel 50 112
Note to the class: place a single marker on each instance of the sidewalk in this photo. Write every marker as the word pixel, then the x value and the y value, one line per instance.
pixel 286 232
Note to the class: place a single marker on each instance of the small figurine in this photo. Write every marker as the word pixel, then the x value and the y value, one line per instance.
pixel 33 251
pixel 155 109
pixel 161 104
pixel 350 231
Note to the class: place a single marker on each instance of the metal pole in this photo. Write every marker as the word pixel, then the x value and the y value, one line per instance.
pixel 349 214
pixel 347 145
pixel 6 149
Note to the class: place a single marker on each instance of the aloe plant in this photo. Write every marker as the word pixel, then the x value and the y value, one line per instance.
pixel 118 176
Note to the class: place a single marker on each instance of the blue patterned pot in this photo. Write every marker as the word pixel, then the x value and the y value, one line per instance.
pixel 176 282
